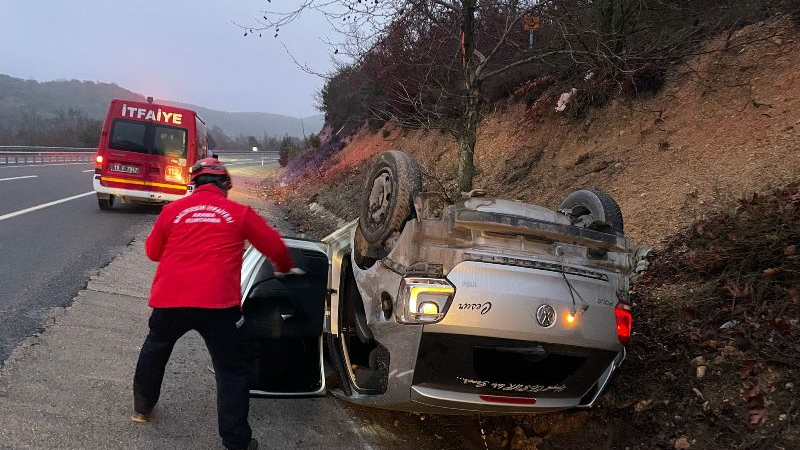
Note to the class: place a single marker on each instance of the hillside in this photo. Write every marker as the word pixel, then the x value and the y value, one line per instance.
pixel 46 99
pixel 725 124
pixel 713 362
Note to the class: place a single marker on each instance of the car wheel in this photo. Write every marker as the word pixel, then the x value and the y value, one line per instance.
pixel 105 204
pixel 388 200
pixel 594 210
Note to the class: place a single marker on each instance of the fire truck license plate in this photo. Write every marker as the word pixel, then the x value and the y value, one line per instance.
pixel 124 169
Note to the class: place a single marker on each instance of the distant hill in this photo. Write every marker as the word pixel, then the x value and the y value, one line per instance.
pixel 256 123
pixel 46 99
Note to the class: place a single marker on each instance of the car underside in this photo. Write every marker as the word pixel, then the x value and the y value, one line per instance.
pixel 481 305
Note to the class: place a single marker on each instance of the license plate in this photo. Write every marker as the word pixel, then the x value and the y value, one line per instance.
pixel 124 169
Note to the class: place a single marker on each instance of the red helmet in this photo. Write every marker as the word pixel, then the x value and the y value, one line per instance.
pixel 208 166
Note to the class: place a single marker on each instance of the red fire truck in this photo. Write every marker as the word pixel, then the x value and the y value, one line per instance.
pixel 145 152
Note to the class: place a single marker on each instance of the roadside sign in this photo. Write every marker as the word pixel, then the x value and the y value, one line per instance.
pixel 531 22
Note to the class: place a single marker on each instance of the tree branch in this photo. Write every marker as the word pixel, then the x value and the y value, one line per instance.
pixel 532 58
pixel 450 6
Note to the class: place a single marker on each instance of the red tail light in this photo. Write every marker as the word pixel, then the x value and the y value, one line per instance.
pixel 622 312
pixel 509 400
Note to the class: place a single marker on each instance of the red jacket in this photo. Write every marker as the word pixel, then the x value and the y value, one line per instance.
pixel 198 242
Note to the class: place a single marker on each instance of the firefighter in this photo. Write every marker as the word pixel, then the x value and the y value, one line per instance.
pixel 198 242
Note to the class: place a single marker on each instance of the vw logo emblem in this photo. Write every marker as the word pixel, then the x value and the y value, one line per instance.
pixel 546 316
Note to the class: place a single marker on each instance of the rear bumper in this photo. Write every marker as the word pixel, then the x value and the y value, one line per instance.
pixel 428 374
pixel 457 403
pixel 446 401
pixel 136 194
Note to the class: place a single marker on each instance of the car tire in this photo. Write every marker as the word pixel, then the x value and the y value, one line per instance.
pixel 105 204
pixel 594 210
pixel 393 180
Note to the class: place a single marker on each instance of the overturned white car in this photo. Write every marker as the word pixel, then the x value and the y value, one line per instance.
pixel 481 306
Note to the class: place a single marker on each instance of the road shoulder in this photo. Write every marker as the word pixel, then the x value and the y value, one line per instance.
pixel 69 387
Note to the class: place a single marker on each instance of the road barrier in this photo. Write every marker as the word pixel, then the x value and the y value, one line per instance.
pixel 14 155
pixel 231 156
pixel 11 155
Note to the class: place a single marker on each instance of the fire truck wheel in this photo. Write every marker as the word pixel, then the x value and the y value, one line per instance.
pixel 105 203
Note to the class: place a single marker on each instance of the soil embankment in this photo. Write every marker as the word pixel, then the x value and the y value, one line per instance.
pixel 725 124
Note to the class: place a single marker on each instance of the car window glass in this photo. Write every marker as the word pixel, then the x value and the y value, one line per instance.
pixel 129 136
pixel 170 141
pixel 202 138
pixel 250 260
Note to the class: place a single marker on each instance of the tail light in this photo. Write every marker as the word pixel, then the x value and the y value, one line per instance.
pixel 423 300
pixel 98 161
pixel 509 400
pixel 622 312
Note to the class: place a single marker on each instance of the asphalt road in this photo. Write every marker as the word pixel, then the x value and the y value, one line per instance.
pixel 48 254
pixel 50 250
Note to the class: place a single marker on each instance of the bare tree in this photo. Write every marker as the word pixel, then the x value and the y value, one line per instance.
pixel 434 58
pixel 366 24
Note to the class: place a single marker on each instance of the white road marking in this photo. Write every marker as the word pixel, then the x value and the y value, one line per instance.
pixel 19 178
pixel 90 170
pixel 42 206
pixel 8 166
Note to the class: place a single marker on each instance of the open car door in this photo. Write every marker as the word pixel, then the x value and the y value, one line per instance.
pixel 284 320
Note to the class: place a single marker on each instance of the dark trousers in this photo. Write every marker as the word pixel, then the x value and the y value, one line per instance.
pixel 229 354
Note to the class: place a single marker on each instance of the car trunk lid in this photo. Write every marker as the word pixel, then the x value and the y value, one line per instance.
pixel 532 303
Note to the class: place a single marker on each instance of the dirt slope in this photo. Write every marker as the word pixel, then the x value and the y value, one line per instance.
pixel 725 124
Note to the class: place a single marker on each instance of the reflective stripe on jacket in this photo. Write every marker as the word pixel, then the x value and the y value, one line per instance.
pixel 198 243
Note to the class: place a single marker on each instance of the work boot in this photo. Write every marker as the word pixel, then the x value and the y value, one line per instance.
pixel 140 418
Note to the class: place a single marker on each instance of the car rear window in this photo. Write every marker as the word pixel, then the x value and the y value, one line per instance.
pixel 169 141
pixel 149 138
pixel 128 135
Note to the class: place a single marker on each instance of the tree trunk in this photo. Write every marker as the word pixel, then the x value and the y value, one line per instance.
pixel 467 137
pixel 612 23
pixel 468 132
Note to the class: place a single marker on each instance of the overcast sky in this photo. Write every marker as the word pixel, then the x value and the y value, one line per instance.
pixel 182 50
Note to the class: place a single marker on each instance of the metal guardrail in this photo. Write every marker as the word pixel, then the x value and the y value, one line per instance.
pixel 232 156
pixel 39 148
pixel 14 155
pixel 240 154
